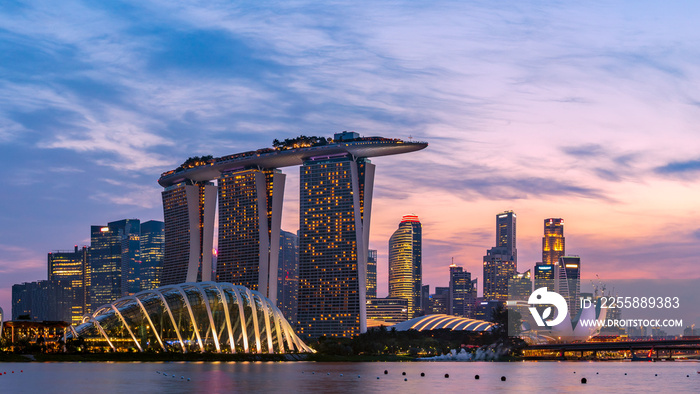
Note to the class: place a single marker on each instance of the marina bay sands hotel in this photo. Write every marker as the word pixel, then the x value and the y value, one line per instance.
pixel 336 184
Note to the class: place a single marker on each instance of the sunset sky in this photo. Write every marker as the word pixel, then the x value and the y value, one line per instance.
pixel 587 111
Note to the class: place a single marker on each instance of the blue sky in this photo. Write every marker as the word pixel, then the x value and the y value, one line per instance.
pixel 583 111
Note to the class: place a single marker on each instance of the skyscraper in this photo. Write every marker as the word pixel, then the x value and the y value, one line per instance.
pixel 335 208
pixel 288 276
pixel 152 252
pixel 462 292
pixel 500 262
pixel 439 302
pixel 405 271
pixel 44 300
pixel 72 267
pixel 553 241
pixel 188 208
pixel 544 275
pixel 520 286
pixel 372 273
pixel 505 234
pixel 250 214
pixel 568 283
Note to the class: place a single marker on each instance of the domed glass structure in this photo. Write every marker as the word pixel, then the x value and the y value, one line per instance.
pixel 203 316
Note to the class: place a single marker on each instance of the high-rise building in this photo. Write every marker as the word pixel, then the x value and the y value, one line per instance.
pixel 72 266
pixel 505 233
pixel 131 260
pixel 335 202
pixel 405 272
pixel 335 207
pixel 250 214
pixel 387 310
pixel 371 273
pixel 544 275
pixel 114 256
pixel 462 293
pixel 152 252
pixel 105 257
pixel 44 300
pixel 553 241
pixel 500 262
pixel 568 283
pixel 439 302
pixel 288 276
pixel 425 299
pixel 188 210
pixel 520 286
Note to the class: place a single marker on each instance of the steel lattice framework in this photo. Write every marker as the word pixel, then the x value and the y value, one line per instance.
pixel 204 316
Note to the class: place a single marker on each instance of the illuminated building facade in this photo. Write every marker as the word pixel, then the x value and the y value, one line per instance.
pixel 72 267
pixel 462 292
pixel 386 310
pixel 425 299
pixel 152 252
pixel 201 317
pixel 405 271
pixel 505 234
pixel 500 262
pixel 568 283
pixel 44 300
pixel 188 211
pixel 544 275
pixel 335 206
pixel 249 202
pixel 372 273
pixel 288 276
pixel 250 214
pixel 439 302
pixel 520 286
pixel 553 241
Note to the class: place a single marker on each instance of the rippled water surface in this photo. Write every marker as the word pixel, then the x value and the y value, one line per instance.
pixel 245 377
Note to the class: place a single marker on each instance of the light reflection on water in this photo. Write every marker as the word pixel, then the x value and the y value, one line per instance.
pixel 219 377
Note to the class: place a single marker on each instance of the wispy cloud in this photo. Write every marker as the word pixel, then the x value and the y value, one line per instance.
pixel 687 167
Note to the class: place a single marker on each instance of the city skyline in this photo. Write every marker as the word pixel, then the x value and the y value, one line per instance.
pixel 585 112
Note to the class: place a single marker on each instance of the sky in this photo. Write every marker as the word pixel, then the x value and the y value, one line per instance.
pixel 586 111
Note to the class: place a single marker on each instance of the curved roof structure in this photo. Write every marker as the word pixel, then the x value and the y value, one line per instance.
pixel 436 322
pixel 272 158
pixel 203 316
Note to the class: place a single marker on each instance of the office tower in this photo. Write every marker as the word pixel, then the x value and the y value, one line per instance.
pixel 113 255
pixel 44 300
pixel 371 273
pixel 553 241
pixel 505 233
pixel 152 251
pixel 288 276
pixel 188 211
pixel 335 209
pixel 544 276
pixel 72 267
pixel 425 299
pixel 569 282
pixel 405 275
pixel 105 257
pixel 250 214
pixel 439 302
pixel 387 310
pixel 131 259
pixel 462 293
pixel 500 262
pixel 520 286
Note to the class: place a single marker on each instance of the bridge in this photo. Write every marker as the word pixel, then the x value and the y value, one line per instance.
pixel 656 348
